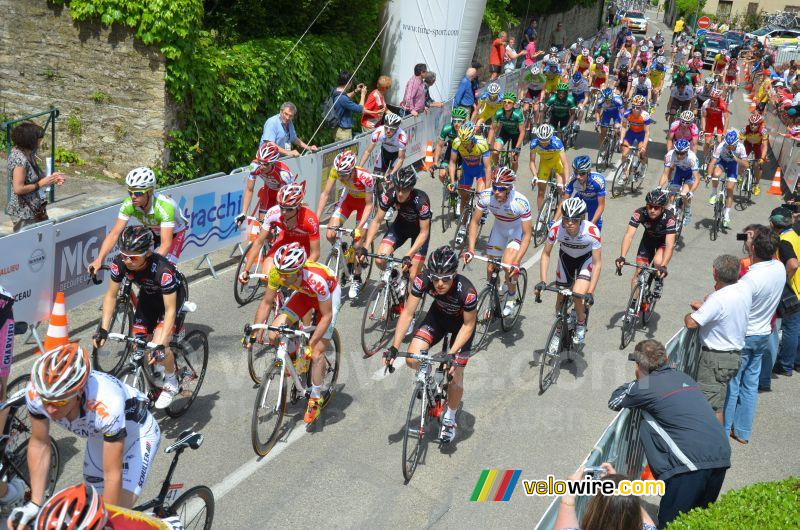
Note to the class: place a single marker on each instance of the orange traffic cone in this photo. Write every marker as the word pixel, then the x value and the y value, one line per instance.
pixel 647 474
pixel 775 188
pixel 57 332
pixel 428 164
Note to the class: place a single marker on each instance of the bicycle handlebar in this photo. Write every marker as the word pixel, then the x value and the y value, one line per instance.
pixel 494 261
pixel 421 356
pixel 119 337
pixel 338 229
pixel 560 290
pixel 93 274
pixel 283 330
pixel 385 257
pixel 637 266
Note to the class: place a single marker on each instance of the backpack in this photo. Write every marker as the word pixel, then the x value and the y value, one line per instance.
pixel 330 116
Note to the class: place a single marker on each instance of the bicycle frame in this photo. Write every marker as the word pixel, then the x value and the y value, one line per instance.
pixel 281 353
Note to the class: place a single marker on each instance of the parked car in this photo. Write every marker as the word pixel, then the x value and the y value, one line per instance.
pixel 635 21
pixel 775 36
pixel 736 41
pixel 715 43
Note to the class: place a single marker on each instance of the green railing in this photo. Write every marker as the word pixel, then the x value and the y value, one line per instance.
pixel 52 115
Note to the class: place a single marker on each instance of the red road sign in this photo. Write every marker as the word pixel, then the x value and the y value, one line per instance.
pixel 703 22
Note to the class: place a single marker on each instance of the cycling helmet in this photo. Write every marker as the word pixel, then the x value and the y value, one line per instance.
pixel 562 87
pixel 644 49
pixel 466 131
pixel 641 72
pixel 585 52
pixel 580 41
pixel 573 208
pixel 629 38
pixel 135 239
pixel 291 195
pixel 141 177
pixel 697 55
pixel 727 58
pixel 732 137
pixel 656 197
pixel 509 96
pixel 582 164
pixel 781 217
pixel 600 60
pixel 459 113
pixel 607 93
pixel 576 77
pixel 687 117
pixel 661 59
pixel 391 120
pixel 444 260
pixel 638 100
pixel 503 176
pixel 553 50
pixel 493 89
pixel 755 118
pixel 78 507
pixel 682 145
pixel 345 162
pixel 60 373
pixel 604 47
pixel 535 70
pixel 290 257
pixel 544 131
pixel 658 33
pixel 682 68
pixel 268 152
pixel 405 178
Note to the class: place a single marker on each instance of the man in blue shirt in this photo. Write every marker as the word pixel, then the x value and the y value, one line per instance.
pixel 344 107
pixel 465 97
pixel 280 130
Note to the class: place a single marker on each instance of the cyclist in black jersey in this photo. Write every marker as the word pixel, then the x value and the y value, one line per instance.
pixel 658 240
pixel 453 310
pixel 162 291
pixel 412 223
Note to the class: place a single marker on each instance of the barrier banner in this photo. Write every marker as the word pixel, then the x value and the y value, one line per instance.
pixel 26 266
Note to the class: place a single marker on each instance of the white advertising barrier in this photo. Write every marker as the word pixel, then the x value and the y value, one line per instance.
pixel 26 266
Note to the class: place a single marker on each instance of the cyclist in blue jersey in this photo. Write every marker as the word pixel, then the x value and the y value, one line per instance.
pixel 609 112
pixel 589 186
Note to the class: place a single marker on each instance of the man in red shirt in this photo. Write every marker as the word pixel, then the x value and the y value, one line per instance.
pixel 497 54
pixel 376 102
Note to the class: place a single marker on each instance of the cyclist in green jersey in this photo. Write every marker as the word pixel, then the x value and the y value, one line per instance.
pixel 154 210
pixel 441 154
pixel 562 107
pixel 604 52
pixel 508 126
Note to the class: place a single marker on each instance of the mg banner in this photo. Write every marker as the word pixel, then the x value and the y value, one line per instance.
pixel 26 266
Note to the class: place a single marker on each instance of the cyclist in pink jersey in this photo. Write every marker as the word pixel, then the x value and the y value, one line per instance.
pixel 684 128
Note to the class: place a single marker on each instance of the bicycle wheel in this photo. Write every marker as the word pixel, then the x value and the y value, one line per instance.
pixel 19 423
pixel 195 508
pixel 268 409
pixel 447 213
pixel 191 361
pixel 717 222
pixel 244 292
pixel 540 228
pixel 135 378
pixel 619 180
pixel 507 322
pixel 259 357
pixel 638 178
pixel 550 360
pixel 377 320
pixel 18 461
pixel 332 262
pixel 332 357
pixel 647 312
pixel 110 357
pixel 629 318
pixel 486 315
pixel 413 433
pixel 679 219
pixel 602 154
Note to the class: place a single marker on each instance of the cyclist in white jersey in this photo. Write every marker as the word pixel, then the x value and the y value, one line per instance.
pixel 729 156
pixel 512 229
pixel 122 435
pixel 393 141
pixel 579 260
pixel 682 174
pixel 152 209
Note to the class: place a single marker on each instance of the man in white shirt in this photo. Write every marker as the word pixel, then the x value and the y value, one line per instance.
pixel 766 277
pixel 722 319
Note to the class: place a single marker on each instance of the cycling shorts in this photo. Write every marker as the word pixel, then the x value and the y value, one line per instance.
pixel 678 105
pixel 299 304
pixel 730 79
pixel 434 327
pixel 469 174
pixel 713 126
pixel 578 97
pixel 503 236
pixel 681 176
pixel 149 314
pixel 648 247
pixel 731 169
pixel 399 233
pixel 504 136
pixel 633 137
pixel 598 82
pixel 756 149
pixel 176 247
pixel 7 343
pixel 349 204
pixel 267 198
pixel 535 95
pixel 609 116
pixel 384 162
pixel 570 268
pixel 559 123
pixel 546 167
pixel 141 448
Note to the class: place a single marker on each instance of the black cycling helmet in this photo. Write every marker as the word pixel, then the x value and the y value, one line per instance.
pixel 444 260
pixel 136 239
pixel 781 217
pixel 404 178
pixel 657 197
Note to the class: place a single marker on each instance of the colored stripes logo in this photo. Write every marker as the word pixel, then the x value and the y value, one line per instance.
pixel 494 485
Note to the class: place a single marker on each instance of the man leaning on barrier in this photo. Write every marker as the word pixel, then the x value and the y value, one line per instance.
pixel 684 444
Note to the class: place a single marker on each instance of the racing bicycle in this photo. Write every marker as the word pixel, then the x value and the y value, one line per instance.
pixel 460 239
pixel 744 186
pixel 490 304
pixel 719 209
pixel 245 293
pixel 678 205
pixel 110 359
pixel 548 210
pixel 630 171
pixel 449 200
pixel 641 302
pixel 605 155
pixel 342 256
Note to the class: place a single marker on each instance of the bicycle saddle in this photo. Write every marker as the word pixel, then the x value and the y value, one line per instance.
pixel 187 438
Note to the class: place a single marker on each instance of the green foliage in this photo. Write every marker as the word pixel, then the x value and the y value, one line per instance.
pixel 49 73
pixel 773 505
pixel 74 126
pixel 65 156
pixel 686 8
pixel 101 97
pixel 498 16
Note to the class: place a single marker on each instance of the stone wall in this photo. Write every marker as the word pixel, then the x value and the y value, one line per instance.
pixel 108 82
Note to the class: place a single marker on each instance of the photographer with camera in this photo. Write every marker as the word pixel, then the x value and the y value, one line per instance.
pixel 345 107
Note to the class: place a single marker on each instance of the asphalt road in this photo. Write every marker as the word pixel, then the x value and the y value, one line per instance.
pixel 346 470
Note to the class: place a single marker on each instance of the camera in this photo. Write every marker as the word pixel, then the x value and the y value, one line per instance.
pixel 741 237
pixel 594 471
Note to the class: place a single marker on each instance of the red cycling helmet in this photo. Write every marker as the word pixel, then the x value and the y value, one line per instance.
pixel 291 195
pixel 267 153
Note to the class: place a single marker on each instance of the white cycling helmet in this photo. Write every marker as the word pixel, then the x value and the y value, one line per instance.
pixel 141 177
pixel 544 131
pixel 290 257
pixel 392 120
pixel 60 373
pixel 573 208
pixel 493 88
pixel 535 70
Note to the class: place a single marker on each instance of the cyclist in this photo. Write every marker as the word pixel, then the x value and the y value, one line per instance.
pixel 756 141
pixel 582 62
pixel 535 92
pixel 640 86
pixel 656 74
pixel 579 261
pixel 488 104
pixel 552 75
pixel 713 119
pixel 729 155
pixel 684 128
pixel 624 57
pixel 122 437
pixel 444 146
pixel 393 142
pixel 590 187
pixel 473 151
pixel 562 109
pixel 642 61
pixel 636 129
pixel 511 232
pixel 274 174
pixel 695 65
pixel 315 288
pixel 720 64
pixel 658 43
pixel 658 240
pixel 508 127
pixel 598 73
pixel 623 78
pixel 13 491
pixel 576 50
pixel 412 223
pixel 604 52
pixel 452 311
pixel 358 184
pixel 552 160
pixel 681 76
pixel 609 112
pixel 289 221
pixel 680 98
pixel 681 174
pixel 157 211
pixel 731 76
pixel 579 89
pixel 703 92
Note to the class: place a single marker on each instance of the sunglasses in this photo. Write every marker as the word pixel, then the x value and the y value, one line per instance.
pixel 391 129
pixel 571 220
pixel 681 154
pixel 289 208
pixel 130 257
pixel 500 188
pixel 286 274
pixel 444 278
pixel 654 207
pixel 59 403
pixel 507 101
pixel 137 193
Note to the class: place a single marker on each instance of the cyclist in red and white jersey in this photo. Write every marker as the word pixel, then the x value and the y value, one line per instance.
pixel 393 141
pixel 274 174
pixel 713 119
pixel 684 128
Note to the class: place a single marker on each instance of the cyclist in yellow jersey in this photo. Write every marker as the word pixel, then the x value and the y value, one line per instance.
pixel 552 159
pixel 488 105
pixel 552 75
pixel 474 153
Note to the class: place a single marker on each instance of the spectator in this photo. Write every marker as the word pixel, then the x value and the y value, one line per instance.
pixel 280 130
pixel 344 106
pixel 765 276
pixel 531 53
pixel 722 322
pixel 684 445
pixel 621 512
pixel 465 97
pixel 376 104
pixel 559 37
pixel 430 79
pixel 612 14
pixel 27 204
pixel 789 308
pixel 676 30
pixel 414 97
pixel 511 55
pixel 476 85
pixel 497 53
pixel 530 33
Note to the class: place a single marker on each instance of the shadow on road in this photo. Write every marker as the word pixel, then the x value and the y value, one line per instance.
pixel 195 419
